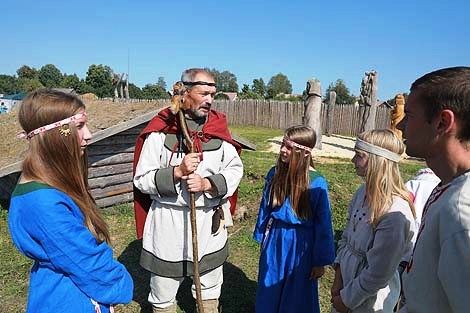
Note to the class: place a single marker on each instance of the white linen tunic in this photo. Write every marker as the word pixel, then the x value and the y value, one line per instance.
pixel 369 259
pixel 167 232
pixel 421 187
pixel 439 274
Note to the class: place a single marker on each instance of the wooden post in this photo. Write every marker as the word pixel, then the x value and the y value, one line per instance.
pixel 116 81
pixel 330 112
pixel 312 110
pixel 192 200
pixel 368 100
pixel 126 88
pixel 397 114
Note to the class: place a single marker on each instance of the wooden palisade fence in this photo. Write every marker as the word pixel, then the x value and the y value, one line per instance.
pixel 283 114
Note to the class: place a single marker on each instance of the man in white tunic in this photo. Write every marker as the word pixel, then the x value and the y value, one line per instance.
pixel 420 188
pixel 436 127
pixel 168 173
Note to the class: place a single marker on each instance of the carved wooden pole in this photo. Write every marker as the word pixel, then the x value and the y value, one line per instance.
pixel 330 113
pixel 371 104
pixel 397 114
pixel 126 87
pixel 362 119
pixel 116 80
pixel 121 89
pixel 312 112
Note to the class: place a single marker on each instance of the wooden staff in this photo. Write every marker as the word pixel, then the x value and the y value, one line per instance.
pixel 177 106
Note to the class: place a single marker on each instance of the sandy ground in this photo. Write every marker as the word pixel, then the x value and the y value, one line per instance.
pixel 335 146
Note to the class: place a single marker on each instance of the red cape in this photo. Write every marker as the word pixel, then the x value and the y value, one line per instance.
pixel 166 122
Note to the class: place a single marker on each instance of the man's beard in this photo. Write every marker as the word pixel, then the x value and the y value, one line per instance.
pixel 199 114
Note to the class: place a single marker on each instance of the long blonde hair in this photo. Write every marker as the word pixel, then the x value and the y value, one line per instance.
pixel 292 179
pixel 383 179
pixel 57 160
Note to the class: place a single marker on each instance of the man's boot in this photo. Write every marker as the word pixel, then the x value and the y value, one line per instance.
pixel 211 306
pixel 169 309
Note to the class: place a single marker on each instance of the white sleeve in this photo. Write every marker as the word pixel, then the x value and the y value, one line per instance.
pixel 149 162
pixel 230 173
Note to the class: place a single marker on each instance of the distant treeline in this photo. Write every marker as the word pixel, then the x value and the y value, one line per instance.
pixel 98 81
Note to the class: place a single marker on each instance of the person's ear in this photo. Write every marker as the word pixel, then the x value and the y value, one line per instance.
pixel 446 122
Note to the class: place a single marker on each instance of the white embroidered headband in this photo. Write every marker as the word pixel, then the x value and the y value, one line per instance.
pixel 295 144
pixel 60 123
pixel 368 147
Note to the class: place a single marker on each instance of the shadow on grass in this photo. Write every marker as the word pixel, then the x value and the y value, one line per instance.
pixel 130 259
pixel 4 204
pixel 238 291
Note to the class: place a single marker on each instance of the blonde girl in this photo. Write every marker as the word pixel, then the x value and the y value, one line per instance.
pixel 294 229
pixel 379 231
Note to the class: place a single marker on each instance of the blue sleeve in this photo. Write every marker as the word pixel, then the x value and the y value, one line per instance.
pixel 324 248
pixel 71 248
pixel 264 209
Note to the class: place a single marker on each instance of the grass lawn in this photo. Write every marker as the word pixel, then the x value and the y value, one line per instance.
pixel 240 271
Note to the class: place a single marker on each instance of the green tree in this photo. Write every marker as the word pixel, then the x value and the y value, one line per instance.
pixel 71 81
pixel 98 78
pixel 278 84
pixel 26 72
pixel 151 91
pixel 161 82
pixel 342 93
pixel 30 84
pixel 50 76
pixel 226 81
pixel 84 88
pixel 9 84
pixel 259 87
pixel 247 93
pixel 135 92
pixel 245 88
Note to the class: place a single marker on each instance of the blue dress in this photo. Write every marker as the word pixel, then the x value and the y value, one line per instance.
pixel 70 267
pixel 291 247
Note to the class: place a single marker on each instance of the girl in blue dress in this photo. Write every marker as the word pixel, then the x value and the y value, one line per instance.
pixel 53 218
pixel 294 229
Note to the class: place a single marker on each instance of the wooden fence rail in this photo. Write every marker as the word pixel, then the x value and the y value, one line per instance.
pixel 283 114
